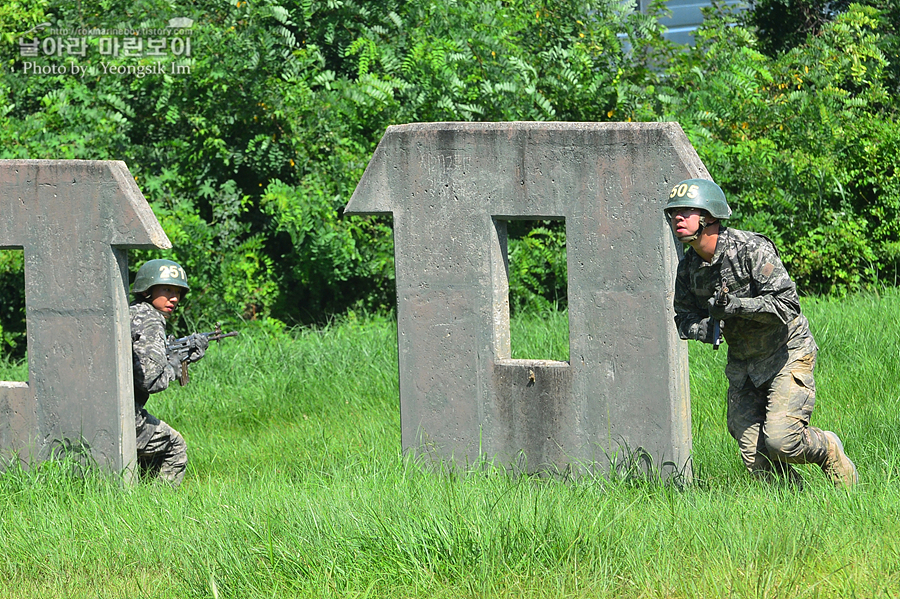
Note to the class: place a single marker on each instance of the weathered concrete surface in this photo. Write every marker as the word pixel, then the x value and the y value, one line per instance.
pixel 74 219
pixel 450 188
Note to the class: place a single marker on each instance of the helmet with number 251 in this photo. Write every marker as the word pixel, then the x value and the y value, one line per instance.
pixel 699 193
pixel 159 272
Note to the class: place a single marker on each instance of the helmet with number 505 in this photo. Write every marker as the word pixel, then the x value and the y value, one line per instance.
pixel 159 272
pixel 699 193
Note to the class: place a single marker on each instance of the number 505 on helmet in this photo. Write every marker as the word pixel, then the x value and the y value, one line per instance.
pixel 701 194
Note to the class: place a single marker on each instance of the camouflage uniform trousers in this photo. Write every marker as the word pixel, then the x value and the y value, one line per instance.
pixel 161 450
pixel 771 422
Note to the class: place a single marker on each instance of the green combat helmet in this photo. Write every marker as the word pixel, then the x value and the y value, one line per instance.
pixel 699 193
pixel 159 272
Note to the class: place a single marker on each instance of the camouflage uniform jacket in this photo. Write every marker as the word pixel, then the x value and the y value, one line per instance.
pixel 152 371
pixel 768 330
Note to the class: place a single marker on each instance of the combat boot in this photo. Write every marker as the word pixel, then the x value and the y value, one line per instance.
pixel 837 465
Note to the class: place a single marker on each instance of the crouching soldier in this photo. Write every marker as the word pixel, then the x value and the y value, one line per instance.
pixel 732 283
pixel 158 287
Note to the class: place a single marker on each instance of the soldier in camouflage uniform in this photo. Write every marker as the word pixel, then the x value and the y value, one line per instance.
pixel 733 282
pixel 158 287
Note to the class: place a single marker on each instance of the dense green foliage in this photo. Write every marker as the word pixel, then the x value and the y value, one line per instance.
pixel 296 487
pixel 250 153
pixel 785 24
pixel 805 144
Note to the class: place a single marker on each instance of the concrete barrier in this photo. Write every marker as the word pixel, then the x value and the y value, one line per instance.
pixel 74 219
pixel 623 397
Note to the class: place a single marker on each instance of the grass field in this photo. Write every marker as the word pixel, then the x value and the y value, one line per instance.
pixel 297 488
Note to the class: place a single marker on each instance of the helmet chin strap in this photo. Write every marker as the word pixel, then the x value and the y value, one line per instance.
pixel 689 238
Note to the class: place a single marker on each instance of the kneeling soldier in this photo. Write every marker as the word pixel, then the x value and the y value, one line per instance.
pixel 158 287
pixel 732 283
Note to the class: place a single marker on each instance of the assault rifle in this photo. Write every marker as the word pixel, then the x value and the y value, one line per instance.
pixel 181 348
pixel 721 300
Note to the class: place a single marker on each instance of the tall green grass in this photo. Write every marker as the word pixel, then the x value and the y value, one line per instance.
pixel 297 488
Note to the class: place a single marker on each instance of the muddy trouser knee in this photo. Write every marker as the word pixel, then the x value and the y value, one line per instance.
pixel 771 422
pixel 791 399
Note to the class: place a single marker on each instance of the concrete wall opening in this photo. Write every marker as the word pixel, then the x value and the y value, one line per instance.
pixel 13 345
pixel 535 289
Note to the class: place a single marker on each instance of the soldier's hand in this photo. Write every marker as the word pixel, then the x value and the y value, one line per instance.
pixel 197 345
pixel 706 330
pixel 729 308
pixel 175 363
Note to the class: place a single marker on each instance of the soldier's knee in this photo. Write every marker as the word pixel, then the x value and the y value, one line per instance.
pixel 784 444
pixel 173 467
pixel 179 447
pixel 784 436
pixel 178 440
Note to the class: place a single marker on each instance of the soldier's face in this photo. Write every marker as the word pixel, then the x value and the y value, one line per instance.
pixel 684 221
pixel 165 298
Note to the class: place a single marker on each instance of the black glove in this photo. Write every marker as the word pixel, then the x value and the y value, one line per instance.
pixel 197 345
pixel 706 331
pixel 730 307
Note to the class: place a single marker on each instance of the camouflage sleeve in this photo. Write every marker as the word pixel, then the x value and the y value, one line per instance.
pixel 774 298
pixel 688 311
pixel 152 371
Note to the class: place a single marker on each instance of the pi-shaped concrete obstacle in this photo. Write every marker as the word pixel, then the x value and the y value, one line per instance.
pixel 451 188
pixel 74 219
